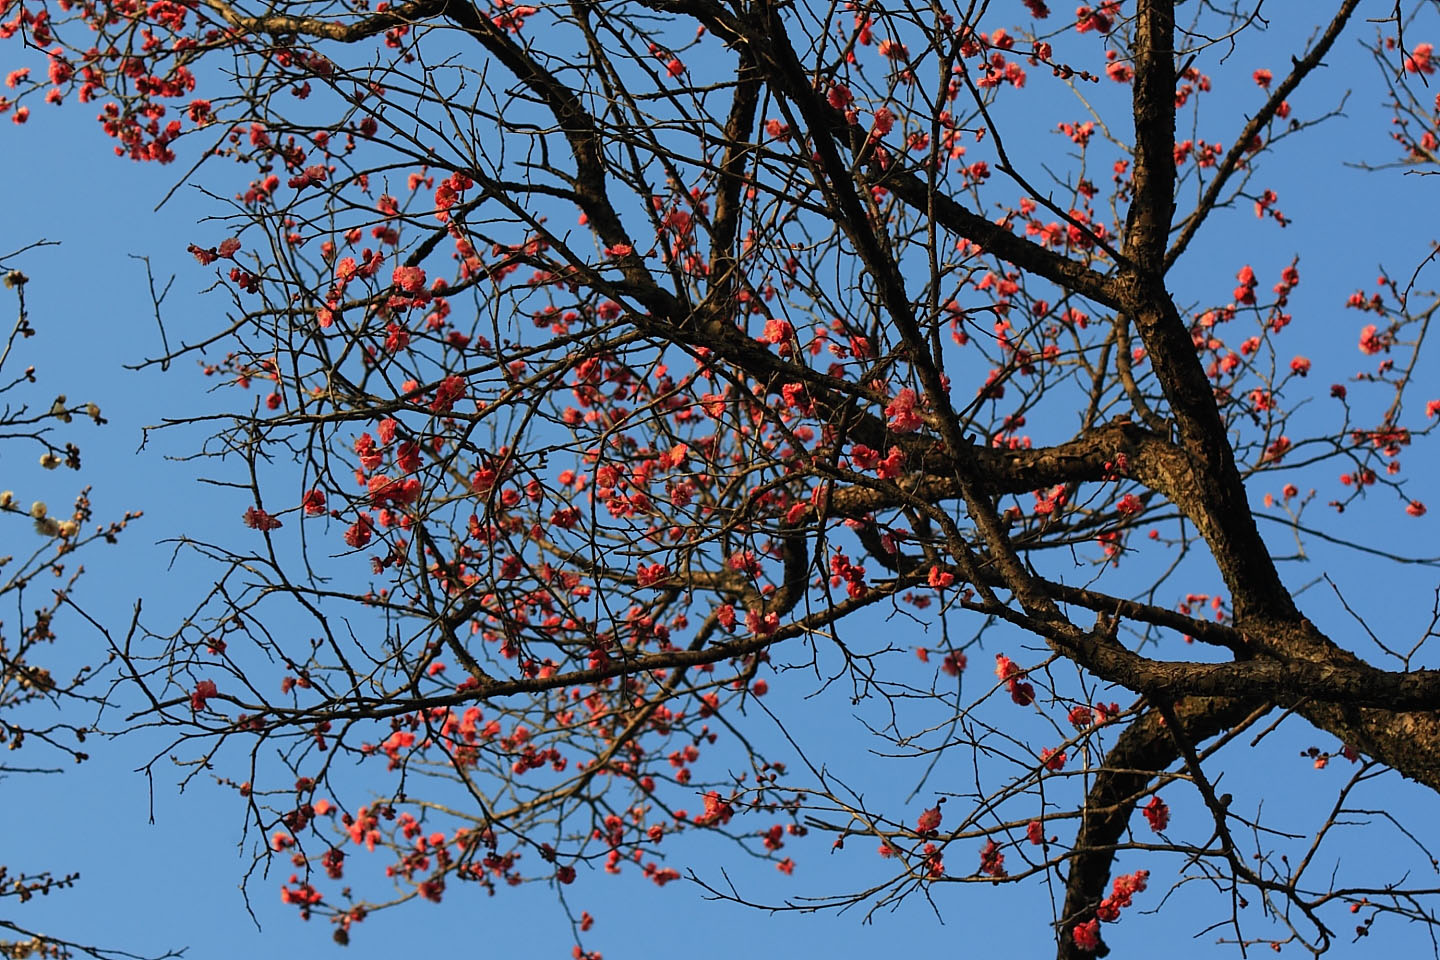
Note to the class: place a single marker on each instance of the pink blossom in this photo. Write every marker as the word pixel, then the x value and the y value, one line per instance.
pixel 901 412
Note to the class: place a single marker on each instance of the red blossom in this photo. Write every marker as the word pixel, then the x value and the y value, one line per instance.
pixel 892 466
pixel 901 412
pixel 1087 935
pixel 1157 813
pixel 204 690
pixel 1276 450
pixel 1421 59
pixel 884 122
pixel 1129 505
pixel 257 519
pixel 447 393
pixel 1372 342
pixel 358 534
pixel 992 861
pixel 863 457
pixel 409 279
pixel 1099 20
pixel 717 811
pixel 777 331
pixel 384 491
pixel 656 573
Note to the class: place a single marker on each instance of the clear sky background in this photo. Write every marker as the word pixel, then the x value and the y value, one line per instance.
pixel 161 870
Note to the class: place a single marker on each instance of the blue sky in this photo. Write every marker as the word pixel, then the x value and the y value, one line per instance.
pixel 150 886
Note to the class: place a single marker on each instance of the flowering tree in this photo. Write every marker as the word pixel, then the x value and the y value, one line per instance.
pixel 624 364
pixel 37 575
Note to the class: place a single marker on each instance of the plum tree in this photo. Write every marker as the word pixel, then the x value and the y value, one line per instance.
pixel 633 369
